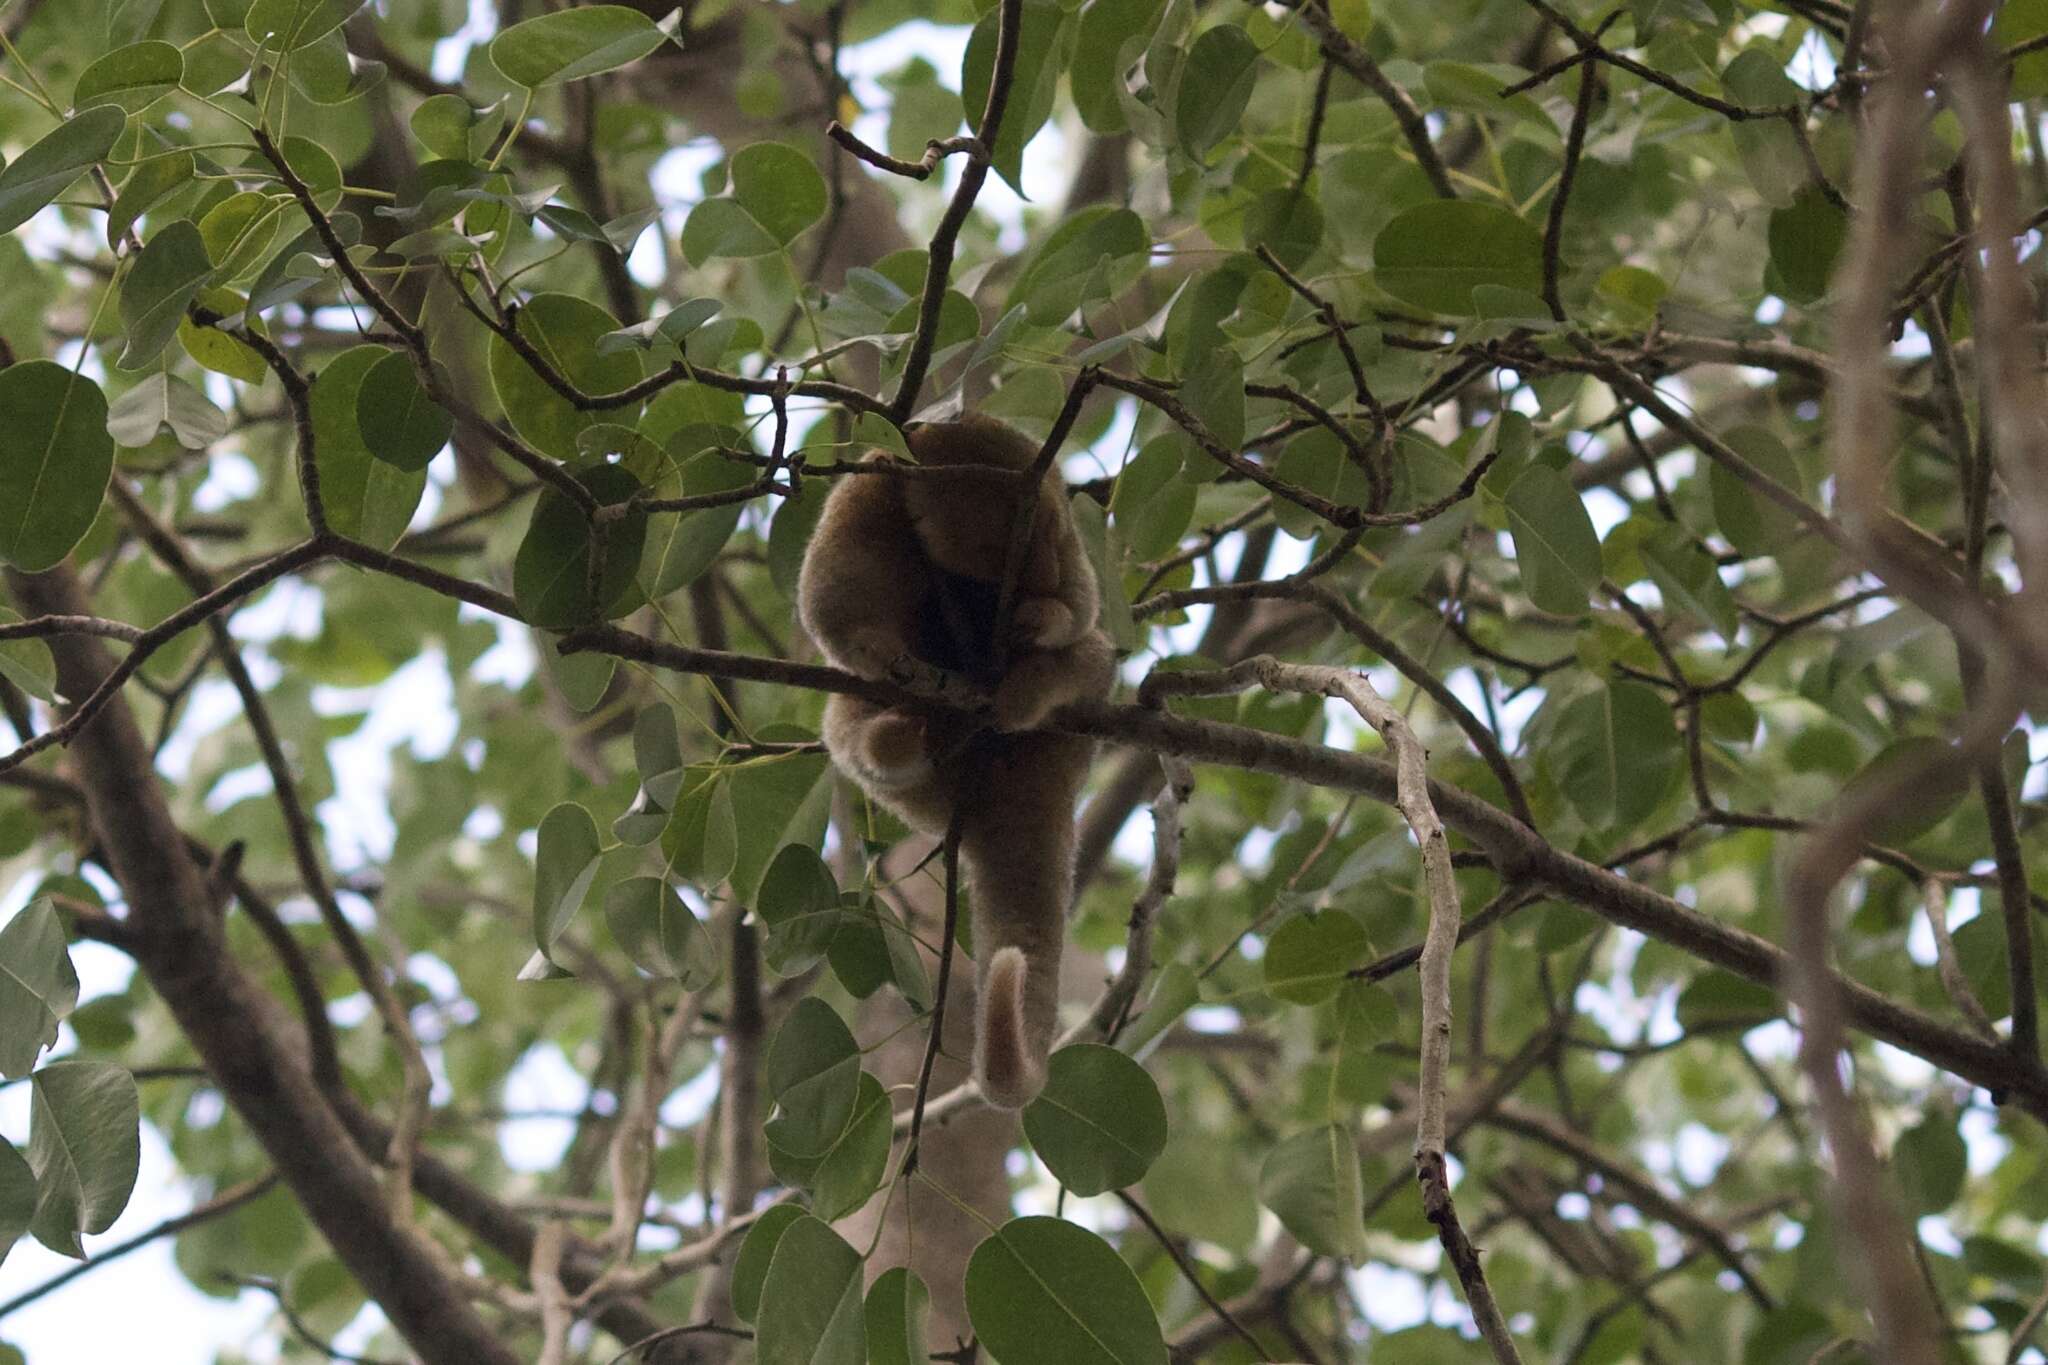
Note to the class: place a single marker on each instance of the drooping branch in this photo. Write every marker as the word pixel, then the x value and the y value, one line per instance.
pixel 234 1026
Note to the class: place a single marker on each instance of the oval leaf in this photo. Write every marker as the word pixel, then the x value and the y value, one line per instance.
pixel 38 987
pixel 660 933
pixel 780 187
pixel 47 169
pixel 565 330
pixel 812 1078
pixel 283 25
pixel 799 905
pixel 367 499
pixel 810 1310
pixel 84 1146
pixel 130 78
pixel 1433 255
pixel 1307 957
pixel 551 575
pixel 852 1168
pixel 564 863
pixel 55 459
pixel 573 43
pixel 1042 1291
pixel 400 425
pixel 898 1308
pixel 166 277
pixel 1556 547
pixel 757 1253
pixel 1311 1182
pixel 1617 747
pixel 1099 1124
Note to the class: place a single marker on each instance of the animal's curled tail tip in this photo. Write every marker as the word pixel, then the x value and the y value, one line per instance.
pixel 1009 1074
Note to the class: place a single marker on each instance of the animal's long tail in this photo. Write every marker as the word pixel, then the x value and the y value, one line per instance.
pixel 1020 878
pixel 1009 1061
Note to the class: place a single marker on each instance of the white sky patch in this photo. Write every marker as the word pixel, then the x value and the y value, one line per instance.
pixel 542 1083
pixel 159 1318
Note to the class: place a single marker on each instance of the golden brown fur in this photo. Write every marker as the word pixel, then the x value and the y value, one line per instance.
pixel 910 567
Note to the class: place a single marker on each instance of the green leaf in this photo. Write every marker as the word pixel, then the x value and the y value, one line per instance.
pixel 757 1253
pixel 1932 1162
pixel 47 169
pixel 1104 544
pixel 1689 580
pixel 906 961
pixel 565 862
pixel 1615 750
pixel 659 759
pixel 779 801
pixel 1308 956
pixel 780 187
pixel 17 1196
pixel 1806 236
pixel 1352 17
pixel 84 1146
pixel 238 229
pixel 28 664
pixel 1041 1291
pixel 286 25
pixel 790 535
pixel 1631 293
pixel 1555 545
pixel 1926 802
pixel 1043 42
pixel 1151 503
pixel 315 165
pixel 1214 392
pixel 1317 462
pixel 1099 1124
pixel 38 988
pixel 682 545
pixel 551 576
pixel 2016 22
pixel 453 129
pixel 810 1307
pixel 1288 222
pixel 1215 86
pixel 570 44
pixel 165 278
pixel 660 933
pixel 1434 254
pixel 399 423
pixel 215 349
pixel 1311 1181
pixel 1717 998
pixel 145 187
pixel 162 402
pixel 367 499
pixel 812 1077
pixel 720 227
pixel 700 840
pixel 1202 1187
pixel 1768 148
pixel 55 460
pixel 1096 78
pixel 1071 267
pixel 799 909
pixel 564 330
pixel 851 1169
pixel 130 78
pixel 1754 524
pixel 897 1312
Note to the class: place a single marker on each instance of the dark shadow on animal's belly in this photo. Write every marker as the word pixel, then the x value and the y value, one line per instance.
pixel 956 626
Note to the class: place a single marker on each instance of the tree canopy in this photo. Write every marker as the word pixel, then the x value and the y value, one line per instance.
pixel 1561 876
